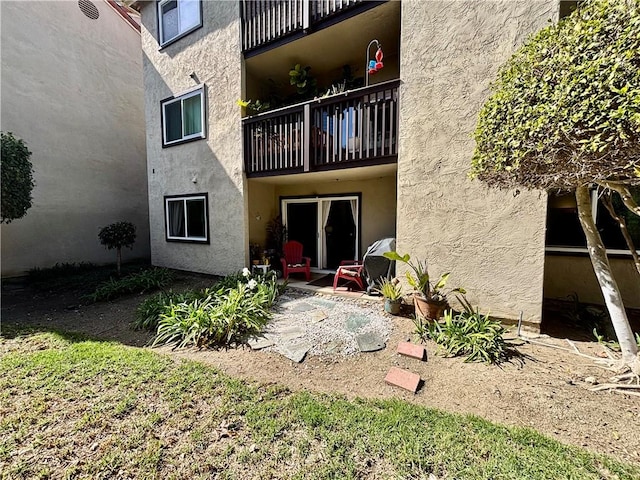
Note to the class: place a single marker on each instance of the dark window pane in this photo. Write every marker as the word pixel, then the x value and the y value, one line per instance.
pixel 173 121
pixel 609 228
pixel 563 226
pixel 176 218
pixel 195 218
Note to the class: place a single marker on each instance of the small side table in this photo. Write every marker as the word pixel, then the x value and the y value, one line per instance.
pixel 261 269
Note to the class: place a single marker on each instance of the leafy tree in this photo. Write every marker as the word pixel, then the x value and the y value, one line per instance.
pixel 565 114
pixel 118 235
pixel 17 178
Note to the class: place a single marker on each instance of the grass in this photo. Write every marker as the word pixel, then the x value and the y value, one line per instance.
pixel 75 408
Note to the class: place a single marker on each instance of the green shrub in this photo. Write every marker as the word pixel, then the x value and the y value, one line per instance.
pixel 236 306
pixel 149 311
pixel 118 235
pixel 17 178
pixel 468 333
pixel 141 282
pixel 59 270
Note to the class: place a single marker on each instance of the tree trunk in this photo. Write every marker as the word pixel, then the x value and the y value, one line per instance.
pixel 608 203
pixel 119 258
pixel 608 285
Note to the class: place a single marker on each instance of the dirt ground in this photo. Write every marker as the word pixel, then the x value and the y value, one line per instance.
pixel 544 389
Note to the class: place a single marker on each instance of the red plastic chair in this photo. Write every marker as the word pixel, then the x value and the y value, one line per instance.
pixel 351 272
pixel 294 262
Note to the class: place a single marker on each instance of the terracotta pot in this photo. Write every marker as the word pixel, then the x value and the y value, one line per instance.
pixel 430 310
pixel 392 306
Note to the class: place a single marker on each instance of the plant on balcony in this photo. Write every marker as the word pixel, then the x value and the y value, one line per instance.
pixel 346 82
pixel 306 85
pixel 431 297
pixel 254 106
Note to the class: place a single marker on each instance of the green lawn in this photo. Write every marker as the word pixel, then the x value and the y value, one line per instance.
pixel 74 408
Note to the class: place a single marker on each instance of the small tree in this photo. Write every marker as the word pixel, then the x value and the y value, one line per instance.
pixel 564 115
pixel 17 178
pixel 118 235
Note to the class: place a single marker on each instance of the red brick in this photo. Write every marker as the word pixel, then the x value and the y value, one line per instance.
pixel 403 379
pixel 412 350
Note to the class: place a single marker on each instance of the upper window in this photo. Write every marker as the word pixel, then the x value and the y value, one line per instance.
pixel 186 218
pixel 183 117
pixel 564 232
pixel 177 18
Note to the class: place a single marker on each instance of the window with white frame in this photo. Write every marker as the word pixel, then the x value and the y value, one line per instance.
pixel 176 18
pixel 183 117
pixel 564 233
pixel 186 218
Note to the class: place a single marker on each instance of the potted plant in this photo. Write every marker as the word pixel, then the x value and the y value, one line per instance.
pixel 391 290
pixel 430 298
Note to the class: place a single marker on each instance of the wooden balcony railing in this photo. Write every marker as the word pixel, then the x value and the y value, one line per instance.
pixel 265 21
pixel 354 128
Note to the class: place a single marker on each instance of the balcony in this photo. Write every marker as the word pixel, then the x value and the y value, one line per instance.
pixel 351 129
pixel 269 22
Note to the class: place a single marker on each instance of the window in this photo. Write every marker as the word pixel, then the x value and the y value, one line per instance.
pixel 186 218
pixel 177 18
pixel 564 233
pixel 183 118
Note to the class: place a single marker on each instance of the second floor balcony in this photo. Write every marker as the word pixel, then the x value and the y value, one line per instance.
pixel 350 129
pixel 266 22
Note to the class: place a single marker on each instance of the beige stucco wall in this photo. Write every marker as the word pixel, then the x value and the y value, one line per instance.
pixel 72 89
pixel 212 165
pixel 263 206
pixel 491 241
pixel 564 275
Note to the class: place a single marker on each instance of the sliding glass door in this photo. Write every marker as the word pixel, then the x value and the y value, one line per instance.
pixel 327 227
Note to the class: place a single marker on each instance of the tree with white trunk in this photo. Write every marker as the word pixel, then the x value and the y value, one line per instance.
pixel 564 116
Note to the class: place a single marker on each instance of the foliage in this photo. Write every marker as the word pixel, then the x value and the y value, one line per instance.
pixel 149 311
pixel 236 306
pixel 346 82
pixel 306 85
pixel 118 235
pixel 150 409
pixel 38 274
pixel 419 279
pixel 276 235
pixel 390 289
pixel 255 106
pixel 468 333
pixel 612 344
pixel 17 178
pixel 565 110
pixel 141 282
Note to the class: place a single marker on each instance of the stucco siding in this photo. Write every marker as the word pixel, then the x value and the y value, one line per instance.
pixel 565 275
pixel 72 90
pixel 491 241
pixel 212 165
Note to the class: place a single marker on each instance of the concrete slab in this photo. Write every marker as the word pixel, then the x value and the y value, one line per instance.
pixel 355 322
pixel 335 346
pixel 294 351
pixel 322 302
pixel 300 307
pixel 258 343
pixel 286 332
pixel 370 342
pixel 318 316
